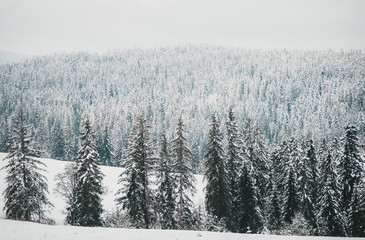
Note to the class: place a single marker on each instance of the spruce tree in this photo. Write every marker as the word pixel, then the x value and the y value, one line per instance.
pixel 137 193
pixel 351 172
pixel 107 149
pixel 358 210
pixel 305 184
pixel 26 189
pixel 89 181
pixel 250 217
pixel 331 220
pixel 314 176
pixel 217 197
pixel 166 188
pixel 184 176
pixel 261 167
pixel 274 201
pixel 58 142
pixel 234 160
pixel 290 196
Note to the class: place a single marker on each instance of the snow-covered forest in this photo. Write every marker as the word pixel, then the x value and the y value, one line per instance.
pixel 287 93
pixel 278 136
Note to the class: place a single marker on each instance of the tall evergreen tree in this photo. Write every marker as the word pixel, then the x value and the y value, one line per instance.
pixel 138 169
pixel 250 217
pixel 196 164
pixel 184 176
pixel 106 149
pixel 217 195
pixel 89 181
pixel 290 196
pixel 331 220
pixel 234 160
pixel 58 142
pixel 261 166
pixel 166 188
pixel 351 171
pixel 26 188
pixel 358 210
pixel 306 182
pixel 274 200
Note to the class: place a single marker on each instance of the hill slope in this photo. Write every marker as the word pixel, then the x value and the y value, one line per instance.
pixel 286 92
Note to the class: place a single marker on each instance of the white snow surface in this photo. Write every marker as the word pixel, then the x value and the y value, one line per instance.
pixel 10 229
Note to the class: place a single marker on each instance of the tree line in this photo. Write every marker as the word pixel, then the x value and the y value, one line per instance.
pixel 294 189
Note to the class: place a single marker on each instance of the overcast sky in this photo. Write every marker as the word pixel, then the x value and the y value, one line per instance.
pixel 47 26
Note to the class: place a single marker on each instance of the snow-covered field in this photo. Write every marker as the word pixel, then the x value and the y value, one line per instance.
pixel 33 231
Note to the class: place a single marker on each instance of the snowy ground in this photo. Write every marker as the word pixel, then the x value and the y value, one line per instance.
pixel 10 230
pixel 33 231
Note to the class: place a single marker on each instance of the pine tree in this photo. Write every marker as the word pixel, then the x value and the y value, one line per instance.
pixel 261 167
pixel 358 210
pixel 351 172
pixel 166 188
pixel 196 164
pixel 184 176
pixel 234 160
pixel 305 183
pixel 107 149
pixel 89 181
pixel 138 165
pixel 290 196
pixel 250 217
pixel 27 189
pixel 217 195
pixel 314 177
pixel 58 142
pixel 274 201
pixel 4 136
pixel 331 221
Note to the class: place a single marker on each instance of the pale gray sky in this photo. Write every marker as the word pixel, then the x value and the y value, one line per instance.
pixel 47 26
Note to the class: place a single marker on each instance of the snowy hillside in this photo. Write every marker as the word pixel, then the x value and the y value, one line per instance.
pixel 110 182
pixel 288 93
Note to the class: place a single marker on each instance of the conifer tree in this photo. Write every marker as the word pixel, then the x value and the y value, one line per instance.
pixel 137 193
pixel 274 219
pixel 331 220
pixel 196 164
pixel 358 210
pixel 89 181
pixel 166 188
pixel 261 167
pixel 290 196
pixel 26 189
pixel 250 217
pixel 305 184
pixel 184 176
pixel 351 172
pixel 58 142
pixel 314 176
pixel 106 149
pixel 274 201
pixel 234 160
pixel 217 195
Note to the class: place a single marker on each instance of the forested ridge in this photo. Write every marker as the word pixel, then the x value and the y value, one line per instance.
pixel 287 93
